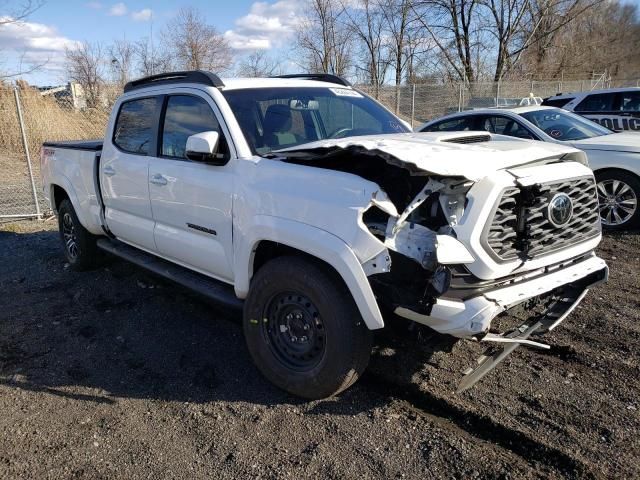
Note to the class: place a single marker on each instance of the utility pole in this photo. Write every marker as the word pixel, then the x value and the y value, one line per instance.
pixel 153 60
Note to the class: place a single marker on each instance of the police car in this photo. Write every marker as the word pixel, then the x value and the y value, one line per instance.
pixel 617 109
pixel 613 157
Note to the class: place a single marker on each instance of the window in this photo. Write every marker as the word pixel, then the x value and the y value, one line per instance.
pixel 135 125
pixel 630 101
pixel 556 102
pixel 563 125
pixel 455 125
pixel 499 125
pixel 184 116
pixel 277 118
pixel 599 102
pixel 506 126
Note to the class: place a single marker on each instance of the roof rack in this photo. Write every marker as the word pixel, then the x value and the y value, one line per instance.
pixel 322 77
pixel 192 76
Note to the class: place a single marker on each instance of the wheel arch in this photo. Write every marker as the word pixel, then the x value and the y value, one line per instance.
pixel 271 237
pixel 623 170
pixel 58 194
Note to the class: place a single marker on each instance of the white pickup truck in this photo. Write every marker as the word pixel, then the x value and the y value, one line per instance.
pixel 315 209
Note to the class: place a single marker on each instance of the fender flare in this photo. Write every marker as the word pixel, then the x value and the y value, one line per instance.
pixel 314 241
pixel 83 214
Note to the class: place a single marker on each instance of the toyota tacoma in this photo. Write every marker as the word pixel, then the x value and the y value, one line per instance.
pixel 318 212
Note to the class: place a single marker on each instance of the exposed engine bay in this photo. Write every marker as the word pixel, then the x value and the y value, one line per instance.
pixel 412 214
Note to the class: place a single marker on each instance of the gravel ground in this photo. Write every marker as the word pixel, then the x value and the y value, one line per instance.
pixel 114 373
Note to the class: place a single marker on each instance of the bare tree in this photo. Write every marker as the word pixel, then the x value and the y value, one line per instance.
pixel 195 45
pixel 151 59
pixel 85 65
pixel 452 27
pixel 594 43
pixel 121 57
pixel 323 40
pixel 399 20
pixel 258 64
pixel 18 13
pixel 367 22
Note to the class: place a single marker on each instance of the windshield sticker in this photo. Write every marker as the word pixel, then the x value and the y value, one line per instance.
pixel 345 92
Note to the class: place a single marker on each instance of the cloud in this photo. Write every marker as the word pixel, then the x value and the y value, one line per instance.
pixel 30 36
pixel 118 10
pixel 30 43
pixel 94 5
pixel 143 15
pixel 266 25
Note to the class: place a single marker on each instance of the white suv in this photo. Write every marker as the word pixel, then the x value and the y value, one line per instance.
pixel 615 108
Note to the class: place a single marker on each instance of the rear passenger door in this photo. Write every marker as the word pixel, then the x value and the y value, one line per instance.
pixel 124 171
pixel 601 108
pixel 191 200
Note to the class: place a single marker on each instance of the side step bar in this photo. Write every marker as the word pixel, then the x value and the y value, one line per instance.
pixel 546 321
pixel 214 290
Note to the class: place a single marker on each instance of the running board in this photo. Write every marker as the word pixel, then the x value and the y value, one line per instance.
pixel 208 287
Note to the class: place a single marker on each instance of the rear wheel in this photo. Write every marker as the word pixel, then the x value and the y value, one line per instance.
pixel 79 245
pixel 618 194
pixel 303 329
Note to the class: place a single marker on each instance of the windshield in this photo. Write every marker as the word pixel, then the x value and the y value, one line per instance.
pixel 563 125
pixel 276 118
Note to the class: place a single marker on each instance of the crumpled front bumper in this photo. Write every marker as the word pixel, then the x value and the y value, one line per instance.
pixel 472 317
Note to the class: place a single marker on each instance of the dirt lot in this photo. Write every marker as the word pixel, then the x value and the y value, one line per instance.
pixel 114 373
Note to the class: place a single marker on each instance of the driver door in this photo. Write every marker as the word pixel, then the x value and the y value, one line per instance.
pixel 191 201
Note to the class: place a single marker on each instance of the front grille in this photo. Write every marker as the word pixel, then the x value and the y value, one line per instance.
pixel 520 227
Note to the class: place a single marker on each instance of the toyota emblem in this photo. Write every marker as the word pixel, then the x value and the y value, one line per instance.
pixel 560 210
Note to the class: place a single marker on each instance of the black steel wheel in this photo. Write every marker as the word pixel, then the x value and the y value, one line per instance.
pixel 303 329
pixel 294 330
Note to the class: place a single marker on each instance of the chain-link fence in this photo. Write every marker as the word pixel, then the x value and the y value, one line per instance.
pixel 31 116
pixel 423 102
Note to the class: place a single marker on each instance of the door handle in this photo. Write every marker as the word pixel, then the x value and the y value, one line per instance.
pixel 158 179
pixel 109 171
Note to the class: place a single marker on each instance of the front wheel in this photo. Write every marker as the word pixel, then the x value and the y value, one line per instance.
pixel 303 329
pixel 618 194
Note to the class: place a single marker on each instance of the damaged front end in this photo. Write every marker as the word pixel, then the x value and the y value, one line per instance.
pixel 420 244
pixel 460 250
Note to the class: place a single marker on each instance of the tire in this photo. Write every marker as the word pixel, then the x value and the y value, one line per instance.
pixel 321 360
pixel 618 195
pixel 78 244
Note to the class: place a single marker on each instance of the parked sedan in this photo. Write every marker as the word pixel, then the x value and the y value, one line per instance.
pixel 614 157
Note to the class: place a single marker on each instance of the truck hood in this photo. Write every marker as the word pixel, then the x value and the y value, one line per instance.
pixel 472 155
pixel 617 142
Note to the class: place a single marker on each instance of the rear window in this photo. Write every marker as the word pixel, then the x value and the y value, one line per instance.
pixel 556 102
pixel 630 102
pixel 135 125
pixel 598 102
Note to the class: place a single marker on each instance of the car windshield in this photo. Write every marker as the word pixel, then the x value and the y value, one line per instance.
pixel 276 118
pixel 564 126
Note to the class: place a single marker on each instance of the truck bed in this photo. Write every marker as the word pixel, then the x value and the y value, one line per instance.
pixel 73 166
pixel 92 145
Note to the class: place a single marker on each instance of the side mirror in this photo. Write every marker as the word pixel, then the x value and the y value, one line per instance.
pixel 203 147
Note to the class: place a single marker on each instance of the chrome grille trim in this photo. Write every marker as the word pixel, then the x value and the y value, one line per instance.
pixel 519 228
